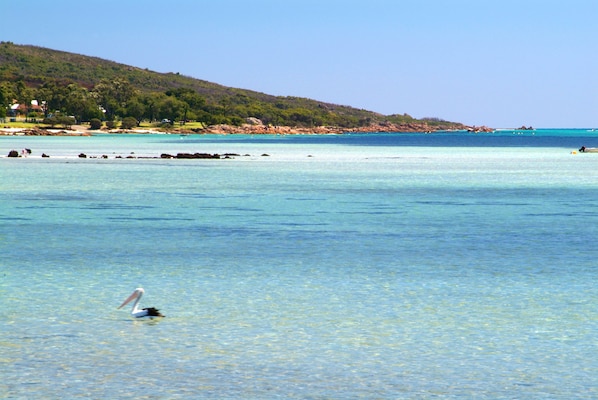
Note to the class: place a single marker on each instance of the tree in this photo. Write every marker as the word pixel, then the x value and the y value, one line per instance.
pixel 95 124
pixel 151 103
pixel 171 108
pixel 136 109
pixel 66 122
pixel 225 105
pixel 128 123
pixel 23 94
pixel 301 116
pixel 189 96
pixel 123 91
pixel 53 96
pixel 3 97
pixel 80 103
pixel 50 121
pixel 3 102
pixel 63 120
pixel 91 110
pixel 192 100
pixel 114 95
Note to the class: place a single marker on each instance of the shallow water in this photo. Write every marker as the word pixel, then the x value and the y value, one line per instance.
pixel 335 267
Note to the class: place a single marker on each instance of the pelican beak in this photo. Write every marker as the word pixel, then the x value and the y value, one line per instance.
pixel 128 300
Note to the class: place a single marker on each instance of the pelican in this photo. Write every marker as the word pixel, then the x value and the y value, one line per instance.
pixel 149 312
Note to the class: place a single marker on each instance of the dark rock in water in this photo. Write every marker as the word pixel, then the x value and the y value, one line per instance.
pixel 196 155
pixel 44 155
pixel 13 153
pixel 82 155
pixel 185 155
pixel 265 155
pixel 104 156
pixel 191 156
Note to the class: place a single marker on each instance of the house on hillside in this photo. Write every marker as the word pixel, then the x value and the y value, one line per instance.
pixel 17 109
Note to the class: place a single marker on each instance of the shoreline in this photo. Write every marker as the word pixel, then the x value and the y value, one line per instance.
pixel 83 130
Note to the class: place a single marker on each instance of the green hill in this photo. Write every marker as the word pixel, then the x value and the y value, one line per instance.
pixel 30 72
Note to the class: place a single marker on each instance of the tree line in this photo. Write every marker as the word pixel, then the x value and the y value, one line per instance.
pixel 117 99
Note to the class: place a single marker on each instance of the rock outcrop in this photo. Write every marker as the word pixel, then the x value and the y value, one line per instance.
pixel 254 126
pixel 257 129
pixel 191 156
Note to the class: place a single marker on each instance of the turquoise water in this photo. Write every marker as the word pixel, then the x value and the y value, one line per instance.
pixel 418 266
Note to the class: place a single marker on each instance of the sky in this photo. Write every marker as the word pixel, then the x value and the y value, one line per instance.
pixel 499 63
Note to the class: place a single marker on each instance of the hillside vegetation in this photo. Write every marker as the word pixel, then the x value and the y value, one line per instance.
pixel 90 88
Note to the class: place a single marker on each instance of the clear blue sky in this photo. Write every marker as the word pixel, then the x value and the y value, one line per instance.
pixel 501 63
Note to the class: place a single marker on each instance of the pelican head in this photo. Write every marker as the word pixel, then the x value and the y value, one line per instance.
pixel 135 295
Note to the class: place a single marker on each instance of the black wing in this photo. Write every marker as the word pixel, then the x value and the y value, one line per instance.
pixel 153 312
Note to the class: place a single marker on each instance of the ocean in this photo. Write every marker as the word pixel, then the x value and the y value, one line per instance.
pixel 390 266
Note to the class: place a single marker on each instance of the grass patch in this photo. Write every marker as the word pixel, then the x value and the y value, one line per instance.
pixel 18 124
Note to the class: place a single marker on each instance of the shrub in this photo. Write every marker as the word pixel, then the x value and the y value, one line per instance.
pixel 63 120
pixel 110 124
pixel 66 122
pixel 95 124
pixel 237 121
pixel 128 123
pixel 50 121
